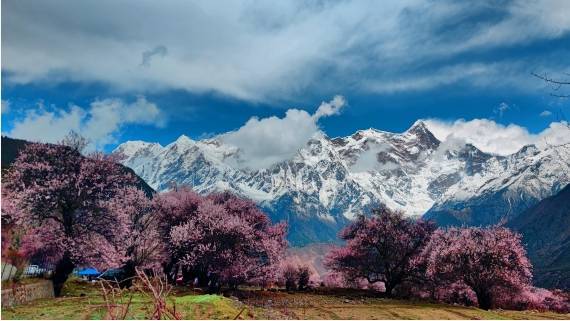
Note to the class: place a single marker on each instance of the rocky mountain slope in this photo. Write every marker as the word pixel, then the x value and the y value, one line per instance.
pixel 546 233
pixel 329 181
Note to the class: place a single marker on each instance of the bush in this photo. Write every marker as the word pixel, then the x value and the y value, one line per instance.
pixel 532 298
pixel 295 277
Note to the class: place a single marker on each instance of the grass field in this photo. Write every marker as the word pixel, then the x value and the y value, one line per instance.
pixel 84 301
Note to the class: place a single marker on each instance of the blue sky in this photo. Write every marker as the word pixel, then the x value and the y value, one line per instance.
pixel 145 70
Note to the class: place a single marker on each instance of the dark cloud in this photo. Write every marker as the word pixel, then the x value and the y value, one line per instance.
pixel 147 55
pixel 257 51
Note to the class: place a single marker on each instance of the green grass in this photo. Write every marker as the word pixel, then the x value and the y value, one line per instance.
pixel 83 300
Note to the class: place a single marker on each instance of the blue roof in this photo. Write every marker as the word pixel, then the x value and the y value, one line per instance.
pixel 89 271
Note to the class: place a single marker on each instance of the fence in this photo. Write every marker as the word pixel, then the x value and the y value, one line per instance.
pixel 24 293
pixel 39 269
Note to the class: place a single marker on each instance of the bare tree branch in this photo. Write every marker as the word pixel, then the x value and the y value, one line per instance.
pixel 550 80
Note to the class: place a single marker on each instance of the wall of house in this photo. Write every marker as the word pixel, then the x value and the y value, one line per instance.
pixel 8 271
pixel 25 293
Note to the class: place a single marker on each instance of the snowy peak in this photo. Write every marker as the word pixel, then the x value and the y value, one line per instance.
pixel 330 180
pixel 131 149
pixel 422 135
pixel 184 140
pixel 418 127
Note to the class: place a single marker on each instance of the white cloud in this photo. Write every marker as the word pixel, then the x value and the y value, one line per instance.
pixel 451 143
pixel 492 137
pixel 5 106
pixel 330 108
pixel 257 51
pixel 266 141
pixel 444 76
pixel 545 113
pixel 368 160
pixel 501 109
pixel 557 133
pixel 100 123
pixel 525 21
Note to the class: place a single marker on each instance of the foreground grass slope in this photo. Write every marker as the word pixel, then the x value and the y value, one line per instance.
pixel 83 301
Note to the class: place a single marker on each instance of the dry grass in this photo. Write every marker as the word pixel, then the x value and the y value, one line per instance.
pixel 84 301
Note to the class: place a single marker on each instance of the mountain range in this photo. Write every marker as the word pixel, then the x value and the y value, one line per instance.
pixel 331 180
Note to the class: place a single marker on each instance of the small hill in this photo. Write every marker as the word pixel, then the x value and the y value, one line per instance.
pixel 11 147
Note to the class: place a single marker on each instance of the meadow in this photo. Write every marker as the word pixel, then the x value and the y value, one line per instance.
pixel 84 300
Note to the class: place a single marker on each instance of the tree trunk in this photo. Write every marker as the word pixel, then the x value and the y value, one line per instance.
pixel 188 276
pixel 203 279
pixel 213 284
pixel 171 271
pixel 484 299
pixel 128 275
pixel 62 271
pixel 389 289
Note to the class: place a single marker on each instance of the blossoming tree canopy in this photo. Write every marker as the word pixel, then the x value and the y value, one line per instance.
pixel 137 241
pixel 382 248
pixel 222 238
pixel 488 261
pixel 61 195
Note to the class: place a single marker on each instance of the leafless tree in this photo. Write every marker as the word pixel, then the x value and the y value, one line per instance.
pixel 117 302
pixel 158 290
pixel 74 140
pixel 560 89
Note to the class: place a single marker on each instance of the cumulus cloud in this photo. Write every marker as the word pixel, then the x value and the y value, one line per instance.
pixel 368 160
pixel 545 113
pixel 100 122
pixel 330 108
pixel 256 50
pixel 557 133
pixel 266 141
pixel 495 138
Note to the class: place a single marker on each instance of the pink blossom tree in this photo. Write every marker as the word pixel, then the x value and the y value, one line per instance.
pixel 536 299
pixel 174 208
pixel 61 195
pixel 488 261
pixel 137 238
pixel 222 239
pixel 382 248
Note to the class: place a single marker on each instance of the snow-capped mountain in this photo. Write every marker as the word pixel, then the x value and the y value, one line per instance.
pixel 329 181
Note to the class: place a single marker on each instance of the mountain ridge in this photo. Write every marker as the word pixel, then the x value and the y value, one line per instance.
pixel 546 235
pixel 331 180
